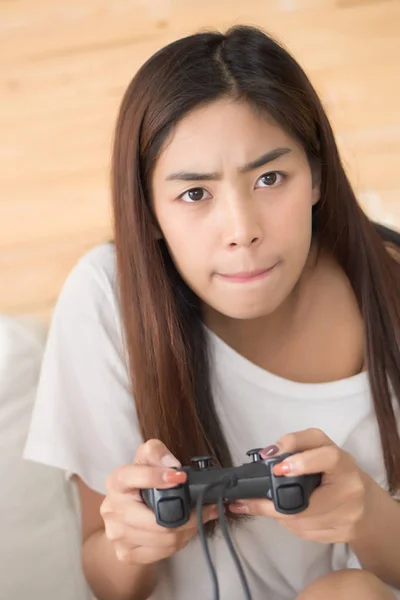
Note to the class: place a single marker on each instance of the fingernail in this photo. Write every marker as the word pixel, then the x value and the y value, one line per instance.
pixel 239 507
pixel 112 531
pixel 270 451
pixel 122 555
pixel 283 468
pixel 170 461
pixel 174 476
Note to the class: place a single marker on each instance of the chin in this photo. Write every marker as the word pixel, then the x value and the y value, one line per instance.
pixel 247 313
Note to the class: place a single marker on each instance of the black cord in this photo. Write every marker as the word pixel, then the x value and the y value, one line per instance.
pixel 223 484
pixel 231 547
pixel 203 539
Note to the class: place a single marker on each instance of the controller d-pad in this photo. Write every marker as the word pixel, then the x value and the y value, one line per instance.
pixel 170 510
pixel 290 497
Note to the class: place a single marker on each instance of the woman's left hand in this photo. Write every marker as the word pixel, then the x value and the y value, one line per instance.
pixel 337 508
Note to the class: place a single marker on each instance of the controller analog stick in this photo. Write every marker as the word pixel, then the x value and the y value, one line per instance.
pixel 202 462
pixel 255 454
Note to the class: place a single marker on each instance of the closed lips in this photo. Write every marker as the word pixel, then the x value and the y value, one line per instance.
pixel 246 274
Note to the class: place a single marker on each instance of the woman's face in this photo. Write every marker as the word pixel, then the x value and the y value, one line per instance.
pixel 233 193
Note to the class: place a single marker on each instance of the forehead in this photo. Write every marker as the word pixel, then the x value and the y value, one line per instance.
pixel 225 130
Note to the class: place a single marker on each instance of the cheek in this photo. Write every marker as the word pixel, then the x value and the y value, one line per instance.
pixel 293 221
pixel 189 251
pixel 292 232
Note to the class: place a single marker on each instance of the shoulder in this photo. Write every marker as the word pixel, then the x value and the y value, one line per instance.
pixel 84 420
pixel 91 286
pixel 97 266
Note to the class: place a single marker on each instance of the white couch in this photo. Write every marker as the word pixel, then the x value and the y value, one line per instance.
pixel 39 516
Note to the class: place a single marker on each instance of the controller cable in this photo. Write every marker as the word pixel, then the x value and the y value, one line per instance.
pixel 223 484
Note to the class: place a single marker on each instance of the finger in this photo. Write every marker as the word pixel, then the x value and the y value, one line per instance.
pixel 322 507
pixel 329 535
pixel 141 554
pixel 133 477
pixel 325 459
pixel 258 507
pixel 134 537
pixel 136 514
pixel 209 513
pixel 130 513
pixel 324 533
pixel 307 439
pixel 322 522
pixel 266 508
pixel 155 453
pixel 155 535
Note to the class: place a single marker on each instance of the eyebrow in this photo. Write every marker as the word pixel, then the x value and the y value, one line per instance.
pixel 255 164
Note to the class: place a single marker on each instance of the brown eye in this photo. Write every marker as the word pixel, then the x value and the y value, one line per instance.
pixel 194 195
pixel 271 179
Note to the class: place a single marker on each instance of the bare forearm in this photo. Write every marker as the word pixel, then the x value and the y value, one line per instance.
pixel 377 543
pixel 108 578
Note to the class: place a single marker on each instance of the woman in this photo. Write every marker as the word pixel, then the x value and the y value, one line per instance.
pixel 246 301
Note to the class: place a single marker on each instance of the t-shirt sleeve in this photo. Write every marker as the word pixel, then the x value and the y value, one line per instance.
pixel 84 419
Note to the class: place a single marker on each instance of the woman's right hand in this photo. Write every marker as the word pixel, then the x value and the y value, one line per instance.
pixel 129 524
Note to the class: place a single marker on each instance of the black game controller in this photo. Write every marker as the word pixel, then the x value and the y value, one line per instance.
pixel 290 495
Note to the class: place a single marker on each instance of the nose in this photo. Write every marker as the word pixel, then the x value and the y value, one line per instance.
pixel 242 226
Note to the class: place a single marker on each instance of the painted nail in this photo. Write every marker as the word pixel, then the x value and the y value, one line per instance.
pixel 239 506
pixel 282 468
pixel 269 451
pixel 174 476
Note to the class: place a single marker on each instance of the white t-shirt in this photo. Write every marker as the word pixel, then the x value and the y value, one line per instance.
pixel 84 422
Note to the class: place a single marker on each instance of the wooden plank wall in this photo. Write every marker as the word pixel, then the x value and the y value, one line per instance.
pixel 63 69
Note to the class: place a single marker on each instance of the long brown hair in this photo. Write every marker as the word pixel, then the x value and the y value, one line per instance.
pixel 165 335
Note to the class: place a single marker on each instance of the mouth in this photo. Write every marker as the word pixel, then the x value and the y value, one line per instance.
pixel 246 276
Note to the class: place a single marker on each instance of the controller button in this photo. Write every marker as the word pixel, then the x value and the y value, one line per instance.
pixel 171 510
pixel 290 497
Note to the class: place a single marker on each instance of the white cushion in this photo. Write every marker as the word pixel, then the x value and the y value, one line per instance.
pixel 40 529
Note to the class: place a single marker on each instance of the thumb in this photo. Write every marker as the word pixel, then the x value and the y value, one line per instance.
pixel 155 453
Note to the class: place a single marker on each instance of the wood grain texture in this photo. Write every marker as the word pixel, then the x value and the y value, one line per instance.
pixel 63 70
